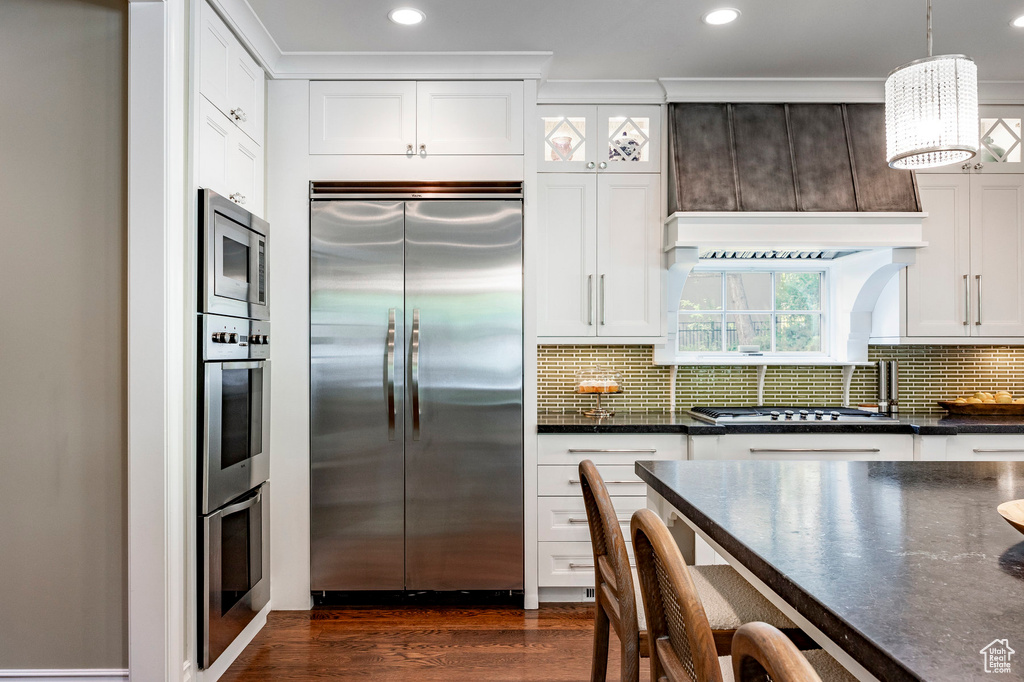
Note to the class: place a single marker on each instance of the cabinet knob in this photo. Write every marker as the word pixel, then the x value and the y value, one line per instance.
pixel 239 114
pixel 979 166
pixel 237 197
pixel 423 149
pixel 408 149
pixel 590 165
pixel 602 165
pixel 966 166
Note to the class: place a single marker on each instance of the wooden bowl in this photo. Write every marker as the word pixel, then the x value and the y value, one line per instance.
pixel 1013 512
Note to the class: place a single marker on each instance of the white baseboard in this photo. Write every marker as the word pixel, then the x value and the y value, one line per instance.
pixel 72 675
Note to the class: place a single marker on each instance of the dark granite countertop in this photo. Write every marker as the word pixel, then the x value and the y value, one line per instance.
pixel 906 565
pixel 680 422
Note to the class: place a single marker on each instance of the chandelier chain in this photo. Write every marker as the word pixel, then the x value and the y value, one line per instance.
pixel 929 28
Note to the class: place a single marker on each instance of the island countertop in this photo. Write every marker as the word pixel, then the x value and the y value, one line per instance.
pixel 906 565
pixel 681 422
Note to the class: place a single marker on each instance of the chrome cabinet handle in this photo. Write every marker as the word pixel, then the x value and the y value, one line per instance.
pixel 408 149
pixel 977 278
pixel 848 450
pixel 590 300
pixel 967 300
pixel 576 451
pixel 581 521
pixel 979 166
pixel 602 165
pixel 573 567
pixel 415 364
pixel 994 450
pixel 237 197
pixel 590 166
pixel 389 373
pixel 243 505
pixel 239 114
pixel 601 299
pixel 575 481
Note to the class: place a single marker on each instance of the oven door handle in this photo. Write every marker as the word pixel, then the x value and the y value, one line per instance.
pixel 253 364
pixel 243 505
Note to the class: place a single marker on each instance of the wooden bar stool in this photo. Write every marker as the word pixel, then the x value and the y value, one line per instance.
pixel 729 600
pixel 678 630
pixel 760 653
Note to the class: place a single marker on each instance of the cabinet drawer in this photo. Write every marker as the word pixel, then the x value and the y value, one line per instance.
pixel 985 448
pixel 806 446
pixel 565 518
pixel 568 564
pixel 610 448
pixel 620 479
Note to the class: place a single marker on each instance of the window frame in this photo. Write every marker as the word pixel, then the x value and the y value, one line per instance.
pixel 772 267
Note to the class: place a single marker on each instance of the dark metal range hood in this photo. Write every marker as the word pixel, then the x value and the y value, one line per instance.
pixel 795 179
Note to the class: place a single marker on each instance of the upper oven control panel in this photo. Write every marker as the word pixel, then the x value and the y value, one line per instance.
pixel 231 338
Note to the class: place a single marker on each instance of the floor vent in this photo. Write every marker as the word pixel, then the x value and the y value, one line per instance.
pixel 590 593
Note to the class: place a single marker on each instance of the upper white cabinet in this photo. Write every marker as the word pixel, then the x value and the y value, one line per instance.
pixel 610 138
pixel 600 267
pixel 229 162
pixel 1000 139
pixel 969 280
pixel 406 117
pixel 228 77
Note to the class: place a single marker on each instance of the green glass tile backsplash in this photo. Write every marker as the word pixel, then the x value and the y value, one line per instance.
pixel 927 374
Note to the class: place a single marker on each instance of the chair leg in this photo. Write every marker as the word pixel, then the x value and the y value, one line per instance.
pixel 630 661
pixel 599 666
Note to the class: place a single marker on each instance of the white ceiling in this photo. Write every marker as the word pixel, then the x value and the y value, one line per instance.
pixel 646 39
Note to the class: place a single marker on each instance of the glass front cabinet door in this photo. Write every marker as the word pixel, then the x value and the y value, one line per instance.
pixel 606 138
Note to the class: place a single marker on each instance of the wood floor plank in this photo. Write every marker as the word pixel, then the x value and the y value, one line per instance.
pixel 552 644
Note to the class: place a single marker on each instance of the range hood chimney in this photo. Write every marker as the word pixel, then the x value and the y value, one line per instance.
pixel 763 182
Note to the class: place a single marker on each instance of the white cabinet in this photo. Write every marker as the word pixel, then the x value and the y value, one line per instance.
pixel 969 280
pixel 600 255
pixel 974 447
pixel 228 76
pixel 406 117
pixel 229 162
pixel 564 555
pixel 611 138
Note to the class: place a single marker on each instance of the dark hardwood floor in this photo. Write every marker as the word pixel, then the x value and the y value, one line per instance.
pixel 442 644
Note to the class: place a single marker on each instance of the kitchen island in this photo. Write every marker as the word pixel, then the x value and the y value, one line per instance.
pixel 902 570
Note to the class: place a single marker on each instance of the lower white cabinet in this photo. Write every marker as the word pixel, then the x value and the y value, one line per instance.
pixel 805 446
pixel 229 162
pixel 972 447
pixel 564 555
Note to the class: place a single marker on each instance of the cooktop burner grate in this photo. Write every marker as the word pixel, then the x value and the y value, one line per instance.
pixel 790 414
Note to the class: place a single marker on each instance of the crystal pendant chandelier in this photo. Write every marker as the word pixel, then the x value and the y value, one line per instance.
pixel 931 110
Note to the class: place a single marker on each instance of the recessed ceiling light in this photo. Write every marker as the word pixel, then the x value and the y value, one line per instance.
pixel 725 15
pixel 1018 22
pixel 407 16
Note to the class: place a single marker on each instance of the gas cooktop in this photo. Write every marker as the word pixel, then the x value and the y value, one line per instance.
pixel 788 415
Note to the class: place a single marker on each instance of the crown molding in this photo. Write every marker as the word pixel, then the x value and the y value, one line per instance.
pixel 601 92
pixel 248 27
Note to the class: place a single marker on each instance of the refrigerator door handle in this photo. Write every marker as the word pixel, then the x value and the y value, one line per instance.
pixel 415 368
pixel 389 372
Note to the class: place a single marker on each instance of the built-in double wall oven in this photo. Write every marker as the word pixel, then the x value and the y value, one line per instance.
pixel 233 467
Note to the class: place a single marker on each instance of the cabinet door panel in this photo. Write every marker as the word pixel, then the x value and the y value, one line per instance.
pixel 566 293
pixel 937 293
pixel 214 148
pixel 357 117
pixel 628 138
pixel 245 172
pixel 997 254
pixel 245 93
pixel 215 42
pixel 569 138
pixel 470 117
pixel 628 255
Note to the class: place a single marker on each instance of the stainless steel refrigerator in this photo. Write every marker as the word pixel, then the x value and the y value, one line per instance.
pixel 416 388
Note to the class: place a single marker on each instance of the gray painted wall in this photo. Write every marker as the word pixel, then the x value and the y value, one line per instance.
pixel 63 442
